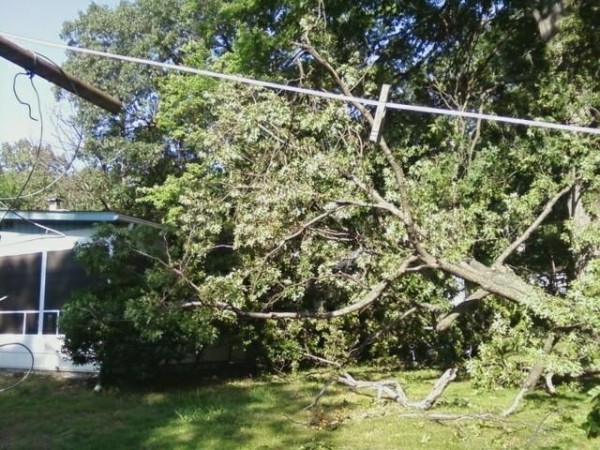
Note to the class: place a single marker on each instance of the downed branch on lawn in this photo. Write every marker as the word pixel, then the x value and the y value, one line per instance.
pixel 391 389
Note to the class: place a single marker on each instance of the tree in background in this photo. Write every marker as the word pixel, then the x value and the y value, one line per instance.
pixel 127 151
pixel 31 173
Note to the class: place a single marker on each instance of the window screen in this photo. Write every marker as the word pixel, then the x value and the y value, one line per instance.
pixel 50 323
pixel 20 281
pixel 64 275
pixel 11 323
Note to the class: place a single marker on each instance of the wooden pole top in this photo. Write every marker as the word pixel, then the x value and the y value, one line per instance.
pixel 54 74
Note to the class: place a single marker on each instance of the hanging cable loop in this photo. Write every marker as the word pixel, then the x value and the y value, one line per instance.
pixel 27 373
pixel 29 74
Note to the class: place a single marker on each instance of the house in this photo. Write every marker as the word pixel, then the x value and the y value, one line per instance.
pixel 38 273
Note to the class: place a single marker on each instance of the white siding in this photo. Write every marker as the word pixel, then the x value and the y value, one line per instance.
pixel 47 351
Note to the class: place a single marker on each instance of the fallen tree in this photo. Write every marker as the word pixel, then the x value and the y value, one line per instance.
pixel 295 229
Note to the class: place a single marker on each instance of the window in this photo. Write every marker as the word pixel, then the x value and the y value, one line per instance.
pixel 20 283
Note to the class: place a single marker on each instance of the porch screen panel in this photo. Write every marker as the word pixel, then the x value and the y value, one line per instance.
pixel 12 323
pixel 64 275
pixel 20 280
pixel 20 277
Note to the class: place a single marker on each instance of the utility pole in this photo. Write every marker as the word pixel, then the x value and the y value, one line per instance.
pixel 54 74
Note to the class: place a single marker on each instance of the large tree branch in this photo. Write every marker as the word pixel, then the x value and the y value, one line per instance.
pixel 446 321
pixel 534 226
pixel 374 293
pixel 505 283
pixel 532 378
pixel 497 279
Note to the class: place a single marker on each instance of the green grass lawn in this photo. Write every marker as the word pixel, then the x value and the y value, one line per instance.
pixel 267 413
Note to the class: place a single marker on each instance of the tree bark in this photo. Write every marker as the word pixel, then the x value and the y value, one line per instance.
pixel 549 384
pixel 392 390
pixel 446 321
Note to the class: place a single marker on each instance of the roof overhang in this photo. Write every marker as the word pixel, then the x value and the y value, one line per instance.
pixel 78 216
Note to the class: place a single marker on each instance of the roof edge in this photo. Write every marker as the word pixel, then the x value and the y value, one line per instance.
pixel 78 216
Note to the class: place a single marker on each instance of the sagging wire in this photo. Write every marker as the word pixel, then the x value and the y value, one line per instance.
pixel 317 93
pixel 28 74
pixel 11 208
pixel 38 152
pixel 75 153
pixel 26 374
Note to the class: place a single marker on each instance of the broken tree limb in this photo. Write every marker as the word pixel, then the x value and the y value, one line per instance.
pixel 497 279
pixel 549 384
pixel 349 358
pixel 397 169
pixel 446 321
pixel 508 285
pixel 534 226
pixel 441 417
pixel 392 390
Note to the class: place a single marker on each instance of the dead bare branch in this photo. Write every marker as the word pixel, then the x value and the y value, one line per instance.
pixel 322 360
pixel 440 417
pixel 321 393
pixel 351 354
pixel 392 390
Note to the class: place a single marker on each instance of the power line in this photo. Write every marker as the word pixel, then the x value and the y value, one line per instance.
pixel 322 94
pixel 14 86
pixel 20 195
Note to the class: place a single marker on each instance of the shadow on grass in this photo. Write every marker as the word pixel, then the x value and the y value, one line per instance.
pixel 234 416
pixel 53 414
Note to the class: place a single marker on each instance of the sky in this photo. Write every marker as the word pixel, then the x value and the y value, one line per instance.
pixel 39 19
